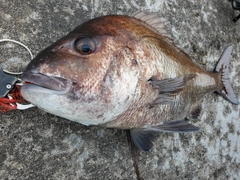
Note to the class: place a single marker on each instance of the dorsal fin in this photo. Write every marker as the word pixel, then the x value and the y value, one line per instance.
pixel 153 20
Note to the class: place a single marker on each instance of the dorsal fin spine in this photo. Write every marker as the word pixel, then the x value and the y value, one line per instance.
pixel 153 20
pixel 148 18
pixel 139 15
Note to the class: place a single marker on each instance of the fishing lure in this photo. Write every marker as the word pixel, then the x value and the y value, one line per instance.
pixel 10 96
pixel 10 85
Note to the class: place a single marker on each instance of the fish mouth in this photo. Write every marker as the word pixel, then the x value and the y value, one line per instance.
pixel 37 82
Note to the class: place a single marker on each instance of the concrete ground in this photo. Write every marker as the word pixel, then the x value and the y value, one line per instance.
pixel 37 145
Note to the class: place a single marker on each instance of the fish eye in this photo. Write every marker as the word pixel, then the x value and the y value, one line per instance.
pixel 85 46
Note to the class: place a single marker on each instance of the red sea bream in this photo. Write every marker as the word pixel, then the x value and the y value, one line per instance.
pixel 123 72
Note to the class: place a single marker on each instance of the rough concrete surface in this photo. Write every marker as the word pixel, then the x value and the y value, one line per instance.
pixel 37 145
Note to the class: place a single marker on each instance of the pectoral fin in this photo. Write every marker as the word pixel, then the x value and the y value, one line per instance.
pixel 144 137
pixel 167 88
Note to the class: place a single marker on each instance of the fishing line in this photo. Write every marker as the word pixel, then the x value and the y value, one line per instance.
pixel 21 44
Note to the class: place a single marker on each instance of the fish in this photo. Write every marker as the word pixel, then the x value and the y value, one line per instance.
pixel 124 72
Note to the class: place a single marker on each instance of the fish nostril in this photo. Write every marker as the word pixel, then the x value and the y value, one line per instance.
pixel 63 46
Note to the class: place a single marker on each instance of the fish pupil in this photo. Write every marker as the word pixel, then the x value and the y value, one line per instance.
pixel 86 48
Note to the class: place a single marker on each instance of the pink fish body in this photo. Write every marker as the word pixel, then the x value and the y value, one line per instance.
pixel 123 72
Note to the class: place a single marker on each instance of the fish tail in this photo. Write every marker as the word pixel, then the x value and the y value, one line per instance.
pixel 225 88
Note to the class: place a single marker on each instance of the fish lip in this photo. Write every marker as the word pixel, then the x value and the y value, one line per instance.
pixel 45 83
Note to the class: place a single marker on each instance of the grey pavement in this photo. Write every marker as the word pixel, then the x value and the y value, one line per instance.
pixel 37 145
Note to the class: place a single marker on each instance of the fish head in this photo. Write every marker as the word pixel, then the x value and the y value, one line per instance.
pixel 89 76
